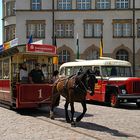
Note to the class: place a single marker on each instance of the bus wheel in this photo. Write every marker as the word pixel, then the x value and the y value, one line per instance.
pixel 138 104
pixel 114 100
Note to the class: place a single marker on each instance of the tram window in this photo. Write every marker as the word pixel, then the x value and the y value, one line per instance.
pixel 45 70
pixel 0 69
pixel 14 69
pixel 6 69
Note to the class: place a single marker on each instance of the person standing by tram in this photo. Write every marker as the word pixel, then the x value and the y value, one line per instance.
pixel 55 76
pixel 23 74
pixel 36 75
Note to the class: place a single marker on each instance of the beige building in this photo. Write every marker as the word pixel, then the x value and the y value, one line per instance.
pixel 67 20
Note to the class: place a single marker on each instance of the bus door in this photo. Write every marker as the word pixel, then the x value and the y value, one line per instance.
pixel 99 86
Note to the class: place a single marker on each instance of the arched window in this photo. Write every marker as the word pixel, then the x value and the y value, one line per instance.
pixel 122 55
pixel 92 54
pixel 64 56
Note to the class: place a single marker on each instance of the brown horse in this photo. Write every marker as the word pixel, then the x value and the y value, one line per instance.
pixel 74 89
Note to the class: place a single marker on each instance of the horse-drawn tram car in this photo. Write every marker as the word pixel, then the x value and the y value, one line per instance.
pixel 20 93
pixel 115 82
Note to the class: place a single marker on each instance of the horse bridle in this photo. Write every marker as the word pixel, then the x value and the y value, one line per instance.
pixel 85 88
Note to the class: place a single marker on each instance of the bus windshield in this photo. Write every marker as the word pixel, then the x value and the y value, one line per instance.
pixel 117 71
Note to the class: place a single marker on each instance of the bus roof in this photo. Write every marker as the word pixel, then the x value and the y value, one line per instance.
pixel 98 62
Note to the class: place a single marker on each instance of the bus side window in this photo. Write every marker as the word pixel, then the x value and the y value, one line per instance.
pixel 76 69
pixel 62 71
pixel 113 72
pixel 68 71
pixel 87 68
pixel 97 71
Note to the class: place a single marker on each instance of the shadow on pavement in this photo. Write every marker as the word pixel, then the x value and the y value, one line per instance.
pixel 60 117
pixel 128 106
pixel 97 127
pixel 59 112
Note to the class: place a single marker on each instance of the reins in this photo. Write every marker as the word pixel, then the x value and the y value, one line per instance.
pixel 83 86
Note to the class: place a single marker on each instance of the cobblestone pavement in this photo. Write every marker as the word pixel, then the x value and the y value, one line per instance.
pixel 99 123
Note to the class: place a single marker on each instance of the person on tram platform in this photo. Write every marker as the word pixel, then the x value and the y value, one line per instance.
pixel 23 73
pixel 55 76
pixel 36 75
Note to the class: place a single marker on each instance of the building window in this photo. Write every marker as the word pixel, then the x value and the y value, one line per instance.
pixel 138 28
pixel 122 55
pixel 9 32
pixel 122 28
pixel 65 4
pixel 36 28
pixel 64 29
pixel 35 4
pixel 92 54
pixel 122 4
pixel 103 4
pixel 83 4
pixel 64 56
pixel 93 28
pixel 10 8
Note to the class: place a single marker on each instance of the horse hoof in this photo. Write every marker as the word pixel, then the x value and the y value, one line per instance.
pixel 68 121
pixel 78 119
pixel 73 124
pixel 52 117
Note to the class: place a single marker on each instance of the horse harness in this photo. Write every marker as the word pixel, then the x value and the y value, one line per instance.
pixel 75 86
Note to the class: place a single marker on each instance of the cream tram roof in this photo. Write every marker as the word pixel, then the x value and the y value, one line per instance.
pixel 103 61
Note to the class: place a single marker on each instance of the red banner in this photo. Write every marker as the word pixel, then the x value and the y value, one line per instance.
pixel 41 48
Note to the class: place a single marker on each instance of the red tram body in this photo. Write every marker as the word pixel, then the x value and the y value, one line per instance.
pixel 18 95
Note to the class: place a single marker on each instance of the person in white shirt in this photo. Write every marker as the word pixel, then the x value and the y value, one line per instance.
pixel 23 73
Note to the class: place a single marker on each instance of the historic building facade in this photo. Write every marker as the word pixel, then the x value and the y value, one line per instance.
pixel 65 21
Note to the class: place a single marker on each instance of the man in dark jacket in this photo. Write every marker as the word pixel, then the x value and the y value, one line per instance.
pixel 36 75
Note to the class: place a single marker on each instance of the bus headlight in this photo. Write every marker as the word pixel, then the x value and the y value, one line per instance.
pixel 123 91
